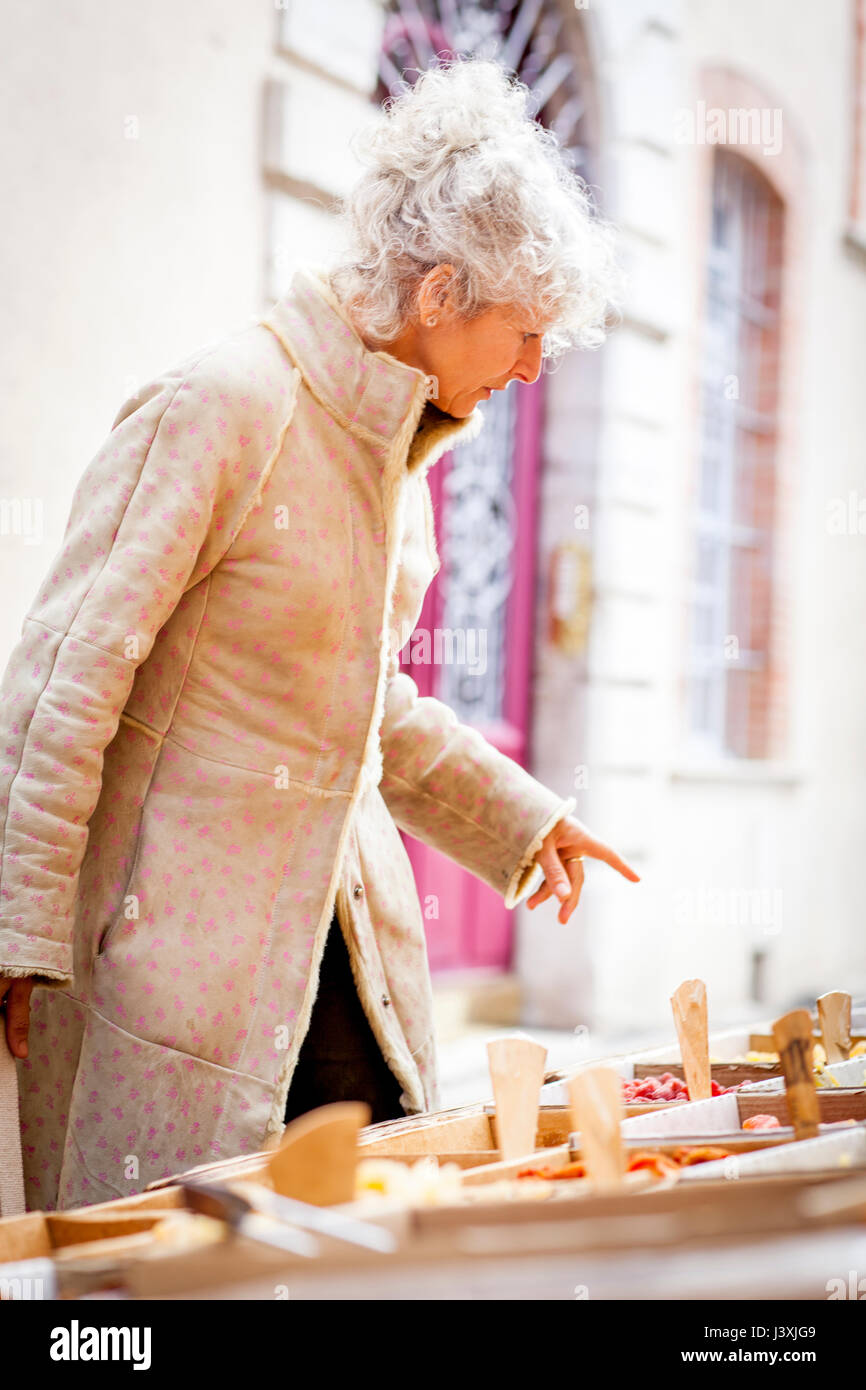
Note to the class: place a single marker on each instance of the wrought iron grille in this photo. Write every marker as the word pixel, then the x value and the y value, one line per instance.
pixel 542 42
pixel 478 531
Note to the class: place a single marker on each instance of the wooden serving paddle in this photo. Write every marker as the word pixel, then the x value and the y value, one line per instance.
pixel 792 1034
pixel 595 1098
pixel 516 1072
pixel 317 1158
pixel 689 1004
pixel 834 1017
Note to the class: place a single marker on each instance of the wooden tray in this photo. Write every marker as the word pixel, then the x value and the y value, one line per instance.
pixel 833 1105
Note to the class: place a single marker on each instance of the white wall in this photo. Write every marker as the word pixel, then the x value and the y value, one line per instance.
pixel 118 256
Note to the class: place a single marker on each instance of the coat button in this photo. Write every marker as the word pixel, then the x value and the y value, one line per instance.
pixel 358 891
pixel 386 1001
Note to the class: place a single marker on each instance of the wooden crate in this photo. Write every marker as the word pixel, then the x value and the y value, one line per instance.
pixel 450 1248
pixel 40 1233
pixel 573 1220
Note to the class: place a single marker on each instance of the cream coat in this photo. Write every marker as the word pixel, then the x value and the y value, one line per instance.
pixel 207 746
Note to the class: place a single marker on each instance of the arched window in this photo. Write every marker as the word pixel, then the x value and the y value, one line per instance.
pixel 541 41
pixel 731 656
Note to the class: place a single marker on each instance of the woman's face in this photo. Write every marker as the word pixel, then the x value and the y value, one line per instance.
pixel 470 358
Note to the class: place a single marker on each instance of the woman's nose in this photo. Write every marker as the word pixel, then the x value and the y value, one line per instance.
pixel 529 363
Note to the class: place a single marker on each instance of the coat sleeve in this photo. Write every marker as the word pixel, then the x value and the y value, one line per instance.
pixel 446 785
pixel 150 516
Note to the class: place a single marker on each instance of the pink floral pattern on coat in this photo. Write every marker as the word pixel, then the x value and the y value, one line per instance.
pixel 207 745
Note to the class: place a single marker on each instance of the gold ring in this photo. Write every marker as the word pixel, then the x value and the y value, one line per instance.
pixel 573 858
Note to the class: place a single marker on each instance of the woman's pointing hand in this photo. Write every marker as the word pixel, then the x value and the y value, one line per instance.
pixel 561 858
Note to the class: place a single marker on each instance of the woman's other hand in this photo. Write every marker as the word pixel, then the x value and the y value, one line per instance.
pixel 15 1004
pixel 561 857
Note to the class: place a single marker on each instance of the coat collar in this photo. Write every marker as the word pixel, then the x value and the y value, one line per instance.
pixel 371 393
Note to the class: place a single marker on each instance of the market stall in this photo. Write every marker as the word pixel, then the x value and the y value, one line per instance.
pixel 700 1172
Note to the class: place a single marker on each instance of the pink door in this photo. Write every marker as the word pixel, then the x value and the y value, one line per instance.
pixel 481 605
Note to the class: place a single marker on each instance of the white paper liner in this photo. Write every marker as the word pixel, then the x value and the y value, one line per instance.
pixel 851 1073
pixel 718 1115
pixel 827 1151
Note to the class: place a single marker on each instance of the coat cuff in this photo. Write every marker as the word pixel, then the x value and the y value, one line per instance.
pixel 47 962
pixel 523 879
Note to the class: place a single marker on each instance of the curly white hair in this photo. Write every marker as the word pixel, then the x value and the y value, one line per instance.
pixel 459 172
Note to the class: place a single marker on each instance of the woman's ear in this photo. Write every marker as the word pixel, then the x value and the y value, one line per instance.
pixel 434 293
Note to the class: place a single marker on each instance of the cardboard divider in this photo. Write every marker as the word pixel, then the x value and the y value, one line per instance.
pixel 725 1073
pixel 764 1042
pixel 724 1114
pixel 833 1106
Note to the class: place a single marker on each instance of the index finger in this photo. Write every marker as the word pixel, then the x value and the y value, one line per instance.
pixel 597 849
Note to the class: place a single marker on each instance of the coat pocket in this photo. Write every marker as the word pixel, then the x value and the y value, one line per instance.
pixel 120 915
pixel 140 1111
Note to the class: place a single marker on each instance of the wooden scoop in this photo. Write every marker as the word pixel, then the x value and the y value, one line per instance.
pixel 834 1017
pixel 689 1004
pixel 516 1071
pixel 792 1034
pixel 595 1097
pixel 318 1155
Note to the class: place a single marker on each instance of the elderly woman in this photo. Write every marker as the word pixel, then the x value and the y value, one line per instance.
pixel 208 742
